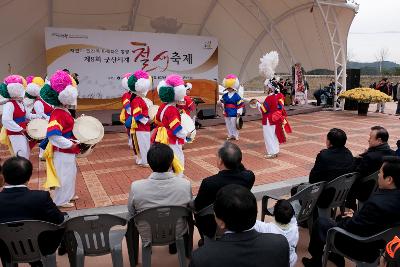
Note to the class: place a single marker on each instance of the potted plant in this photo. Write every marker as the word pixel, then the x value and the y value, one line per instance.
pixel 364 97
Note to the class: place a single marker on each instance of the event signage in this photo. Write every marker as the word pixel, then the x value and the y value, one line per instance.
pixel 102 57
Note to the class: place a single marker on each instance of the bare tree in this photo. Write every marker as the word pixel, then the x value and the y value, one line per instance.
pixel 381 56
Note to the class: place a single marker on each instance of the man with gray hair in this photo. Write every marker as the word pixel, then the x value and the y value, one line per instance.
pixel 232 171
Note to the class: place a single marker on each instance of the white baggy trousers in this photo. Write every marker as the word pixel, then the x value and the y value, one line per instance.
pixel 270 139
pixel 65 165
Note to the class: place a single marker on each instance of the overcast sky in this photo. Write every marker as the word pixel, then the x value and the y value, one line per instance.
pixel 375 26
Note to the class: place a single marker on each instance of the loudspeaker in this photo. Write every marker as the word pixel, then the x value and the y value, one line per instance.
pixel 204 114
pixel 352 81
pixel 352 78
pixel 115 119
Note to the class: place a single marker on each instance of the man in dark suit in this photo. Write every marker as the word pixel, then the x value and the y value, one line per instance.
pixel 369 162
pixel 18 202
pixel 231 171
pixel 380 212
pixel 235 210
pixel 330 163
pixel 333 161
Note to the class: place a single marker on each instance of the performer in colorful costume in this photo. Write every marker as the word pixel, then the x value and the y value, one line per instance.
pixel 14 116
pixel 187 105
pixel 38 108
pixel 139 84
pixel 168 119
pixel 125 117
pixel 232 104
pixel 271 108
pixel 61 151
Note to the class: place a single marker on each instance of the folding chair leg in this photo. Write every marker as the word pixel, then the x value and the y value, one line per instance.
pixel 79 259
pixel 146 256
pixel 325 257
pixel 132 242
pixel 180 245
pixel 116 256
pixel 49 260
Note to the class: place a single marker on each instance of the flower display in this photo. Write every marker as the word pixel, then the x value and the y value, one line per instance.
pixel 365 95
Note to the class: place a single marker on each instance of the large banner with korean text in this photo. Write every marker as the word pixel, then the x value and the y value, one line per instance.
pixel 101 57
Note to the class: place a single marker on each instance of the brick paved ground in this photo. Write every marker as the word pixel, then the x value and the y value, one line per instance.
pixel 105 176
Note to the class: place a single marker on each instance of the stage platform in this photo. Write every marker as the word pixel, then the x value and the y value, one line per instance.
pixel 105 176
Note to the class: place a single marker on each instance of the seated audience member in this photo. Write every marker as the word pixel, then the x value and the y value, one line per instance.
pixel 231 171
pixel 161 188
pixel 398 147
pixel 333 161
pixel 235 210
pixel 380 212
pixel 330 163
pixel 18 202
pixel 369 162
pixel 285 224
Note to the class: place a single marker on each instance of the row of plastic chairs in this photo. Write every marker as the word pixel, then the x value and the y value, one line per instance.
pixel 95 235
pixel 304 202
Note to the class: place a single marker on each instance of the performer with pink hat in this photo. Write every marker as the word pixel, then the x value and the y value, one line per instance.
pixel 61 151
pixel 14 116
pixel 139 83
pixel 170 131
pixel 232 104
pixel 125 117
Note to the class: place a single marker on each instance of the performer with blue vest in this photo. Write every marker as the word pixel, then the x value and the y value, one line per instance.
pixel 232 104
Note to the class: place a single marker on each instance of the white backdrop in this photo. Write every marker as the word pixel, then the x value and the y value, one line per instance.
pixel 102 57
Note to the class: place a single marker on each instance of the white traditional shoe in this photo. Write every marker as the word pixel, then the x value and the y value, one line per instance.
pixel 144 165
pixel 75 198
pixel 67 205
pixel 271 156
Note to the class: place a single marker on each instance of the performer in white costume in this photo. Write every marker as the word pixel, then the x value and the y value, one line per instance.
pixel 139 83
pixel 37 107
pixel 61 151
pixel 14 118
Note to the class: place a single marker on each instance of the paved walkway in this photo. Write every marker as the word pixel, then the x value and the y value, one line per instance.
pixel 105 176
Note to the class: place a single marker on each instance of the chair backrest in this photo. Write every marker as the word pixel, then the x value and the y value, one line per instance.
pixel 209 210
pixel 21 239
pixel 92 231
pixel 384 236
pixel 341 186
pixel 306 199
pixel 162 221
pixel 370 179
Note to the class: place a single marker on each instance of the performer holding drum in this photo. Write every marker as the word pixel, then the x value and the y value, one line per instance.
pixel 139 84
pixel 170 130
pixel 14 116
pixel 61 151
pixel 125 117
pixel 40 110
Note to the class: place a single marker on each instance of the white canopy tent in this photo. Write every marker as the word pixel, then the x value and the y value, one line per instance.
pixel 312 32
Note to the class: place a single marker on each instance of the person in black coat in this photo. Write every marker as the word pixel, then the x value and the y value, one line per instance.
pixel 235 213
pixel 18 202
pixel 333 161
pixel 231 171
pixel 330 163
pixel 369 162
pixel 380 212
